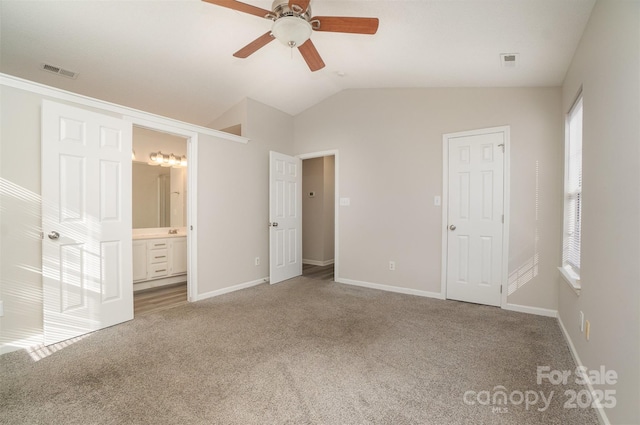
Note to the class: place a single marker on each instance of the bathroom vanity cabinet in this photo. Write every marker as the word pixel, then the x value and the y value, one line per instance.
pixel 159 261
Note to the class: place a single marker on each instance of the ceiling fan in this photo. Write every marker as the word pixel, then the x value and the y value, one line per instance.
pixel 293 25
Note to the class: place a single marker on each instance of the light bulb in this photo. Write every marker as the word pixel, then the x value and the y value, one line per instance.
pixel 291 31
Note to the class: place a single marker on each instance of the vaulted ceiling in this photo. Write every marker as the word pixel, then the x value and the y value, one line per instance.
pixel 174 58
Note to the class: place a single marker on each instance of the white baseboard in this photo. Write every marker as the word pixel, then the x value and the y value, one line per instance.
pixel 318 263
pixel 390 288
pixel 22 344
pixel 233 288
pixel 602 416
pixel 531 310
pixel 513 307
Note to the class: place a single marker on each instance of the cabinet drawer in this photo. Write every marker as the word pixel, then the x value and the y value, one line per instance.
pixel 158 256
pixel 158 270
pixel 158 244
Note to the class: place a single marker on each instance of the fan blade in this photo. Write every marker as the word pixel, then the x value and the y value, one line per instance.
pixel 303 4
pixel 345 24
pixel 241 7
pixel 311 55
pixel 256 44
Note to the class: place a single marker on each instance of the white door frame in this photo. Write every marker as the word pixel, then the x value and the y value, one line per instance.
pixel 192 198
pixel 336 221
pixel 445 204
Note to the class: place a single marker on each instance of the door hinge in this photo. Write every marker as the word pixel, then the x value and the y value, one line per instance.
pixel 501 145
pixel 501 289
pixel 502 218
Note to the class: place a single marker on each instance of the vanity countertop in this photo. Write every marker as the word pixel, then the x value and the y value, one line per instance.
pixel 158 236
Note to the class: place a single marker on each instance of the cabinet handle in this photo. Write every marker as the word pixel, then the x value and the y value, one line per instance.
pixel 161 270
pixel 160 256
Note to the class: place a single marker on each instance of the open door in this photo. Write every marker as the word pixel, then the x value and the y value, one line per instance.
pixel 86 221
pixel 285 217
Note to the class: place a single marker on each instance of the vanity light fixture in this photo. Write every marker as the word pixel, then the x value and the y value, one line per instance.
pixel 167 160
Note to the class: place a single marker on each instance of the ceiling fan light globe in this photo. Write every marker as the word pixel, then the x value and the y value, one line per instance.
pixel 291 31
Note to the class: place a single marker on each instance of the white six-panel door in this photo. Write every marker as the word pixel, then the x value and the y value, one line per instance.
pixel 86 220
pixel 285 217
pixel 475 217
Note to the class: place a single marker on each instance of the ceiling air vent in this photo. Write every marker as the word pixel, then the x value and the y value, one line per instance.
pixel 60 71
pixel 509 60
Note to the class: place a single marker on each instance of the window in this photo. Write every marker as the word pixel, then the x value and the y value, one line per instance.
pixel 573 195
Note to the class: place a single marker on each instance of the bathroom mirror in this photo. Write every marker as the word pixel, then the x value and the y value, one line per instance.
pixel 159 195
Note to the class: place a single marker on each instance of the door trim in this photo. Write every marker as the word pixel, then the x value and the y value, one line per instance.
pixel 336 205
pixel 506 130
pixel 192 197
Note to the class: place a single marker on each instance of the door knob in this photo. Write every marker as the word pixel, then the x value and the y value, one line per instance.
pixel 452 227
pixel 53 235
pixel 274 224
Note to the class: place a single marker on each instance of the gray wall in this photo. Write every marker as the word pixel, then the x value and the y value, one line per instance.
pixel 233 199
pixel 390 144
pixel 607 66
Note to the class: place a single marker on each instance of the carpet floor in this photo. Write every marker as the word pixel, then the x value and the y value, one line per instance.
pixel 303 351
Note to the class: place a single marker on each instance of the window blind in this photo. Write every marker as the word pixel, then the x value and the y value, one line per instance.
pixel 573 189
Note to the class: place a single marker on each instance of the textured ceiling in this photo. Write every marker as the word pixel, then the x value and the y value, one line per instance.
pixel 174 58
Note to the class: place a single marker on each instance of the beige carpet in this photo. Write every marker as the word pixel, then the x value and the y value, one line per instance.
pixel 300 352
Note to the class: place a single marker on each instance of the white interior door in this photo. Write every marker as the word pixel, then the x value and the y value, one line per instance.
pixel 475 217
pixel 86 220
pixel 285 217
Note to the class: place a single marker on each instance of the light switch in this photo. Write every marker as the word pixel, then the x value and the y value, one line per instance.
pixel 345 202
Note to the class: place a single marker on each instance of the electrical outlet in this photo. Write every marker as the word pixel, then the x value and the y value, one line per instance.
pixel 581 324
pixel 257 261
pixel 392 265
pixel 587 329
pixel 437 201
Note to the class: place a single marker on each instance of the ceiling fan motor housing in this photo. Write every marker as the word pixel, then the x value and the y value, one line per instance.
pixel 281 8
